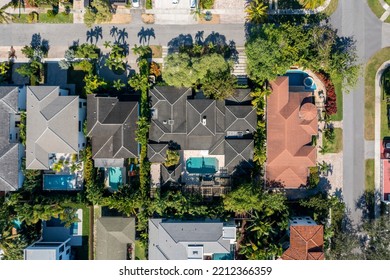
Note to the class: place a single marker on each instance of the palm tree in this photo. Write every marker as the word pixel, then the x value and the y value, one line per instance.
pixel 256 11
pixel 118 85
pixel 311 4
pixel 4 16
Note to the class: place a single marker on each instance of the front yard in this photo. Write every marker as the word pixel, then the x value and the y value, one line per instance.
pixel 339 99
pixel 336 145
pixel 369 114
pixel 44 18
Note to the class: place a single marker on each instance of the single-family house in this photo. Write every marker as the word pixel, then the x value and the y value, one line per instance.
pixel 291 125
pixel 191 240
pixel 12 102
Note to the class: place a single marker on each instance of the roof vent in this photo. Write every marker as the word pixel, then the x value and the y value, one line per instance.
pixel 165 122
pixel 204 120
pixel 171 122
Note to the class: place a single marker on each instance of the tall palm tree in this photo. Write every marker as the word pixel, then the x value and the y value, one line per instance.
pixel 4 16
pixel 311 4
pixel 256 11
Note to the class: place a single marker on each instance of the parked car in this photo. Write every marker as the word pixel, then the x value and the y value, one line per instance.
pixel 192 4
pixel 386 150
pixel 135 3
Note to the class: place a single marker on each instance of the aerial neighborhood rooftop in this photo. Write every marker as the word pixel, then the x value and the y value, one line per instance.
pixel 194 130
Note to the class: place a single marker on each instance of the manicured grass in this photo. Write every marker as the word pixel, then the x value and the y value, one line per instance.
pixel 332 7
pixel 388 19
pixel 369 192
pixel 370 183
pixel 376 7
pixel 369 100
pixel 43 18
pixel 82 252
pixel 387 1
pixel 156 51
pixel 140 253
pixel 339 99
pixel 337 145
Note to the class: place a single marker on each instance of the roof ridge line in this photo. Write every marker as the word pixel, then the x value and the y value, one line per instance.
pixel 62 109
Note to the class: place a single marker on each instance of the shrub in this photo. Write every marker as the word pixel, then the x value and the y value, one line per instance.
pixel 206 4
pixel 330 104
pixel 149 4
pixel 51 13
pixel 172 158
pixel 314 177
pixel 33 17
pixel 155 69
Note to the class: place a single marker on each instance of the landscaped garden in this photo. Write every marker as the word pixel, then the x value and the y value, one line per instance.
pixel 333 140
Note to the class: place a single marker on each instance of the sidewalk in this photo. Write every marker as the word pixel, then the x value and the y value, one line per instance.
pixel 386 7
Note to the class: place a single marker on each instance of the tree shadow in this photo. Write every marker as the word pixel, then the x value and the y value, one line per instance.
pixel 38 43
pixel 94 34
pixel 144 35
pixel 366 203
pixel 183 40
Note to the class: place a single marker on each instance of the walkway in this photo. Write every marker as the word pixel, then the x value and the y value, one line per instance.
pixel 386 7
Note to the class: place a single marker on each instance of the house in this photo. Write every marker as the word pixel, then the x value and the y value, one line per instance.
pixel 112 126
pixel 57 240
pixel 54 126
pixel 306 240
pixel 115 238
pixel 191 240
pixel 214 137
pixel 12 101
pixel 291 125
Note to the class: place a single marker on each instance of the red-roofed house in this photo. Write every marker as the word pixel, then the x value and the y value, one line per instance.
pixel 291 124
pixel 306 240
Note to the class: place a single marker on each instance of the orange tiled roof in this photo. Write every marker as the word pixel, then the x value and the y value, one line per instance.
pixel 306 243
pixel 291 122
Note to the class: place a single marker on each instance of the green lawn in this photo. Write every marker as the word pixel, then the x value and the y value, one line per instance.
pixel 82 251
pixel 332 7
pixel 337 145
pixel 387 1
pixel 140 253
pixel 370 186
pixel 369 113
pixel 43 18
pixel 376 7
pixel 385 129
pixel 339 93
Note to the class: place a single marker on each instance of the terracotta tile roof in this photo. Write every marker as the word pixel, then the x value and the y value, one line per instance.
pixel 291 122
pixel 306 243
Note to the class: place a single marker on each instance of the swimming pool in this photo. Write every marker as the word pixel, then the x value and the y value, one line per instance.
pixel 202 165
pixel 222 256
pixel 297 77
pixel 59 182
pixel 115 177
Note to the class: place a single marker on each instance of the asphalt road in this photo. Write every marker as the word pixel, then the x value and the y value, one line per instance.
pixel 354 18
pixel 65 34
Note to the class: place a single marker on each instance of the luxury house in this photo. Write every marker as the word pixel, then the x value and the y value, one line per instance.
pixel 214 138
pixel 112 125
pixel 291 126
pixel 115 238
pixel 306 240
pixel 55 136
pixel 54 125
pixel 191 240
pixel 12 101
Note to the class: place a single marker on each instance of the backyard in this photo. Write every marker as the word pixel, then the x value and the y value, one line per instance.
pixel 82 252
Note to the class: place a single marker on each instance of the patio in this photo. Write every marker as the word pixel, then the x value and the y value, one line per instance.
pixel 67 164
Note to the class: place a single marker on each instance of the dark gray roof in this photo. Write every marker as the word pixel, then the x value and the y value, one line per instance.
pixel 201 123
pixel 9 149
pixel 112 125
pixel 170 239
pixel 112 236
pixel 157 152
pixel 171 175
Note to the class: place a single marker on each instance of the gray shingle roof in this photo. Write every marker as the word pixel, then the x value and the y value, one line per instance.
pixel 170 239
pixel 171 175
pixel 203 124
pixel 112 124
pixel 9 149
pixel 52 125
pixel 113 235
pixel 157 152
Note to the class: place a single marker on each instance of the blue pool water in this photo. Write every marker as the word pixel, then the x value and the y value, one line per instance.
pixel 222 256
pixel 115 177
pixel 58 182
pixel 296 77
pixel 202 165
